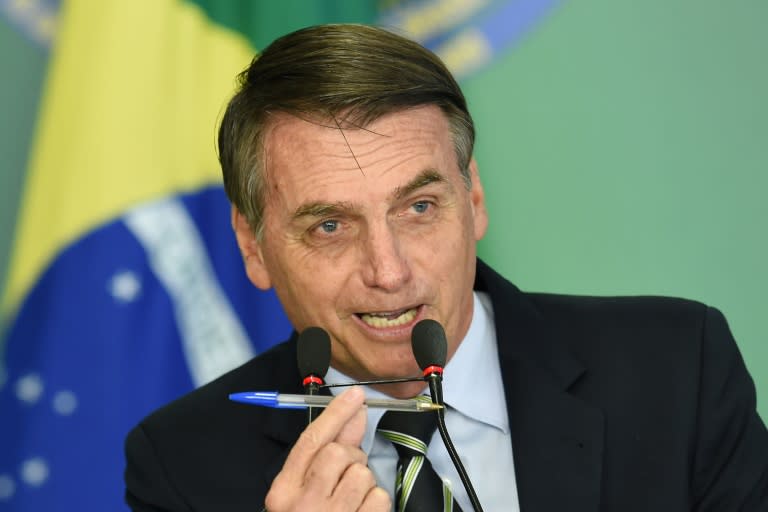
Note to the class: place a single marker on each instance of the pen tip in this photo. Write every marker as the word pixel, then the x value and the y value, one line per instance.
pixel 430 406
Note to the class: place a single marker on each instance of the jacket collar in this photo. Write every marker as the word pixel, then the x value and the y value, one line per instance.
pixel 557 440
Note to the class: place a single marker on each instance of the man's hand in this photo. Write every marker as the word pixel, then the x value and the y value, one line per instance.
pixel 326 470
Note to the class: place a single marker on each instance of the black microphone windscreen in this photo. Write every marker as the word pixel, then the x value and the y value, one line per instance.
pixel 313 352
pixel 429 344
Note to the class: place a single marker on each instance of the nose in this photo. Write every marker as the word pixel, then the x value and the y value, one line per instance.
pixel 384 264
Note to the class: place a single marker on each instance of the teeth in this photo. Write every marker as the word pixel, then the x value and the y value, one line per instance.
pixel 386 321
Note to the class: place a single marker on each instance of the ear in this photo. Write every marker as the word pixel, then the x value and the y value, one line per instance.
pixel 477 199
pixel 250 249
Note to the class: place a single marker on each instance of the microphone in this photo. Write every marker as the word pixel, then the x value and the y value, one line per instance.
pixel 430 348
pixel 313 354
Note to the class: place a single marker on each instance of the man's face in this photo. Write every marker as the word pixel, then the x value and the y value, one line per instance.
pixel 367 231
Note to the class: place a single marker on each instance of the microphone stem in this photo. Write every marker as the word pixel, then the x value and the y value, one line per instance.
pixel 436 390
pixel 312 412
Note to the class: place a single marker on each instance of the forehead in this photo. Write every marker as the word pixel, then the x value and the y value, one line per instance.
pixel 319 151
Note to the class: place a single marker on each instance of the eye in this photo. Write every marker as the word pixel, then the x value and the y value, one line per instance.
pixel 420 206
pixel 329 226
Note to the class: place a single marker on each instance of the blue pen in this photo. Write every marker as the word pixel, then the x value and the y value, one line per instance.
pixel 287 401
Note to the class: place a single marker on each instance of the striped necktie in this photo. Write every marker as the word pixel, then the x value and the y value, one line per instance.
pixel 417 487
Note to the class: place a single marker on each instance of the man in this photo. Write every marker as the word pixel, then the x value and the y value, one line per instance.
pixel 347 155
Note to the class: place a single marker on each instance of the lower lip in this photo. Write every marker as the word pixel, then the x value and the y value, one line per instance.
pixel 396 331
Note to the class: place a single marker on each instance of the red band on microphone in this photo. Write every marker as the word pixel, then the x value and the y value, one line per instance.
pixel 429 370
pixel 312 379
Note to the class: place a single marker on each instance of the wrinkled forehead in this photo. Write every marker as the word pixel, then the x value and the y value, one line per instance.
pixel 323 159
pixel 307 141
pixel 278 122
pixel 351 119
pixel 325 136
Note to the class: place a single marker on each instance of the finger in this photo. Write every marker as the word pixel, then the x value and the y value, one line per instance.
pixel 321 432
pixel 352 432
pixel 322 477
pixel 377 500
pixel 329 466
pixel 352 488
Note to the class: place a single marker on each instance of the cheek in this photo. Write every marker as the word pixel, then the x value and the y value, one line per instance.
pixel 457 237
pixel 308 286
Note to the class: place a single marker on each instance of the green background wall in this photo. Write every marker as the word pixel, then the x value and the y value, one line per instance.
pixel 622 145
pixel 627 148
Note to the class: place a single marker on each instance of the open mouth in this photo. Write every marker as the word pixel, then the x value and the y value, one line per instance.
pixel 389 319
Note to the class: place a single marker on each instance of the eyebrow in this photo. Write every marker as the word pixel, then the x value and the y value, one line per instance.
pixel 320 209
pixel 425 177
pixel 323 209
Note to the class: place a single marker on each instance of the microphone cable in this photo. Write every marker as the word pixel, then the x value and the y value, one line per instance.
pixel 371 382
pixel 431 351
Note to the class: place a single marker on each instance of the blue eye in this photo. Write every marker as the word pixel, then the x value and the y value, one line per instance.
pixel 329 226
pixel 421 206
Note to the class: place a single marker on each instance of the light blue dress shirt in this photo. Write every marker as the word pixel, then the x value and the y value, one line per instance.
pixel 476 418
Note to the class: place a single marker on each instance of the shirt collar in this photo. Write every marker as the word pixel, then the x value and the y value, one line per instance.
pixel 481 399
pixel 472 382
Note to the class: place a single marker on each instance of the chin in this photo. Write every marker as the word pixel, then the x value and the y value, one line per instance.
pixel 401 368
pixel 403 390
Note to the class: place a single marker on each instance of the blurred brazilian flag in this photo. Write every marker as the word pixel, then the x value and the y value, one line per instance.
pixel 125 287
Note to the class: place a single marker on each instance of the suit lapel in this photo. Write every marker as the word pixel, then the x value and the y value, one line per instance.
pixel 557 440
pixel 283 427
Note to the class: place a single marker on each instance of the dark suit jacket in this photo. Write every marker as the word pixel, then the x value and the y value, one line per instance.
pixel 615 404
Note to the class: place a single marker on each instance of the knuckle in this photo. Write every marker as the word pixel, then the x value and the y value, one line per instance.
pixel 377 499
pixel 282 494
pixel 361 474
pixel 274 500
pixel 309 439
pixel 333 451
